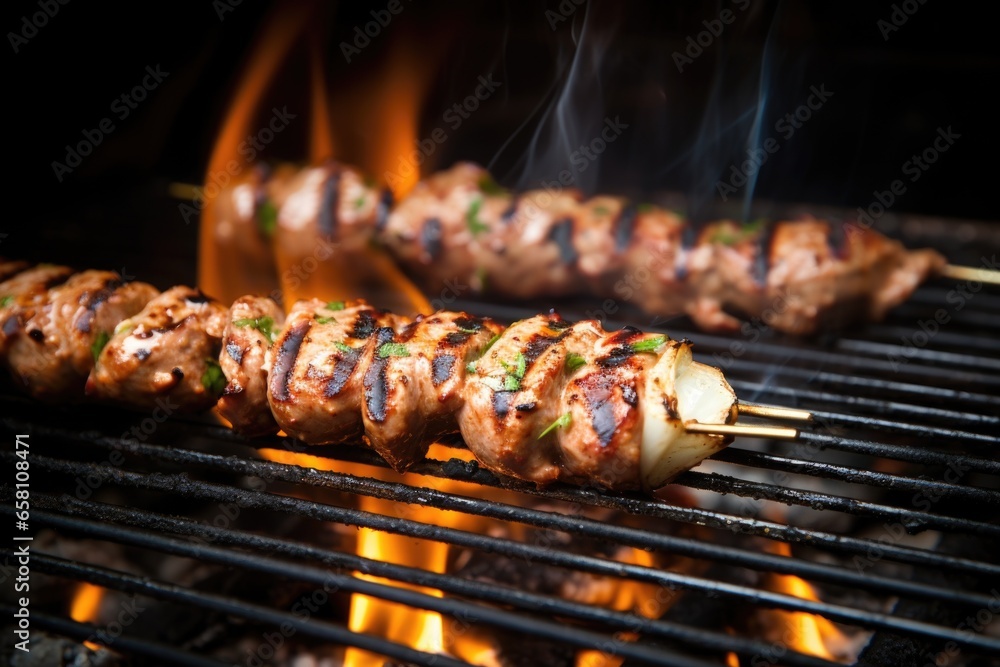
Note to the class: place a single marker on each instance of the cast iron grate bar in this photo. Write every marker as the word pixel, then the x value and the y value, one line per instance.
pixel 183 486
pixel 524 623
pixel 456 585
pixel 81 632
pixel 461 471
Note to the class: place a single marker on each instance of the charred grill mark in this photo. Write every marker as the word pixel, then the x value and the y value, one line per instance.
pixel 37 335
pixel 55 281
pixel 382 209
pixel 597 394
pixel 629 395
pixel 507 216
pixel 149 333
pixel 562 235
pixel 539 344
pixel 442 368
pixel 559 324
pixel 526 407
pixel 284 363
pixel 456 338
pixel 343 369
pixel 364 325
pixel 430 237
pixel 670 405
pixel 376 383
pixel 617 357
pixel 473 323
pixel 198 297
pixel 142 353
pixel 235 352
pixel 763 263
pixel 93 301
pixel 177 373
pixel 624 335
pixel 328 219
pixel 501 402
pixel 625 226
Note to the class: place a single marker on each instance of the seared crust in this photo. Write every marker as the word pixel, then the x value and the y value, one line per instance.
pixel 253 324
pixel 316 367
pixel 167 353
pixel 55 350
pixel 21 294
pixel 413 388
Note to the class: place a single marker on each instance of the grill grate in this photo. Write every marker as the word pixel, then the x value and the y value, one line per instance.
pixel 909 443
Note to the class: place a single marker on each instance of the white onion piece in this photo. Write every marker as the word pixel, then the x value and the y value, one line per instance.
pixel 691 391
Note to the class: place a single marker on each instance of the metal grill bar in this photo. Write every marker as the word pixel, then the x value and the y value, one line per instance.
pixel 181 485
pixel 82 632
pixel 461 471
pixel 570 524
pixel 447 583
pixel 127 583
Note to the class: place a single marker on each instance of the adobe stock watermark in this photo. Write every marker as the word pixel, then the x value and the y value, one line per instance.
pixel 121 108
pixel 898 17
pixel 371 30
pixel 31 24
pixel 248 149
pixel 566 9
pixel 696 44
pixel 785 127
pixel 454 116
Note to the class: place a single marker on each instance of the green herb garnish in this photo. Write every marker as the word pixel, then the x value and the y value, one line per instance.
pixel 6 301
pixel 393 350
pixel 100 340
pixel 493 340
pixel 649 344
pixel 516 367
pixel 511 381
pixel 574 361
pixel 324 320
pixel 559 423
pixel 472 218
pixel 491 187
pixel 124 327
pixel 468 331
pixel 470 367
pixel 360 201
pixel 265 325
pixel 335 305
pixel 213 379
pixel 267 217
pixel 343 347
pixel 601 210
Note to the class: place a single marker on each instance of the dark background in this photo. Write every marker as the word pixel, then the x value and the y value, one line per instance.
pixel 685 128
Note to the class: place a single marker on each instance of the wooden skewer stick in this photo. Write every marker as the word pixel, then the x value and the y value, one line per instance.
pixel 774 412
pixel 748 431
pixel 971 273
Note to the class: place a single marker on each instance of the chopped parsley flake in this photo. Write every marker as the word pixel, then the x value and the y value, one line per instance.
pixel 511 381
pixel 472 218
pixel 324 320
pixel 267 217
pixel 491 187
pixel 393 350
pixel 470 367
pixel 493 340
pixel 360 202
pixel 100 340
pixel 213 379
pixel 335 305
pixel 731 237
pixel 516 367
pixel 124 326
pixel 649 344
pixel 265 325
pixel 343 347
pixel 559 423
pixel 601 210
pixel 574 361
pixel 6 301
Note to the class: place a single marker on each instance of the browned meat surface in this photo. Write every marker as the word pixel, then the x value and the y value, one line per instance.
pixel 316 367
pixel 252 326
pixel 55 350
pixel 413 384
pixel 165 356
pixel 22 293
pixel 10 268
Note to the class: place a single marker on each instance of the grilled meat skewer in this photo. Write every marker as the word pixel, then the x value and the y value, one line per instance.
pixel 459 228
pixel 543 400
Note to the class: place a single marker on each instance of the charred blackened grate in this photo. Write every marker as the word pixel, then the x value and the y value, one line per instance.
pixel 889 503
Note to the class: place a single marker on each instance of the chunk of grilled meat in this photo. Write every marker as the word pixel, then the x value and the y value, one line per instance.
pixel 552 401
pixel 458 227
pixel 55 350
pixel 168 353
pixel 22 293
pixel 315 370
pixel 253 325
pixel 413 384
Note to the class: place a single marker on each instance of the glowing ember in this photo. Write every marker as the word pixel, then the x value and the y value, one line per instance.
pixel 85 607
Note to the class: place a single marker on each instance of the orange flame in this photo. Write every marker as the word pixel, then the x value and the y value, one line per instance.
pixel 85 607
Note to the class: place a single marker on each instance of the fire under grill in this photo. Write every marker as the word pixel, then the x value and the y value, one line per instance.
pixel 887 506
